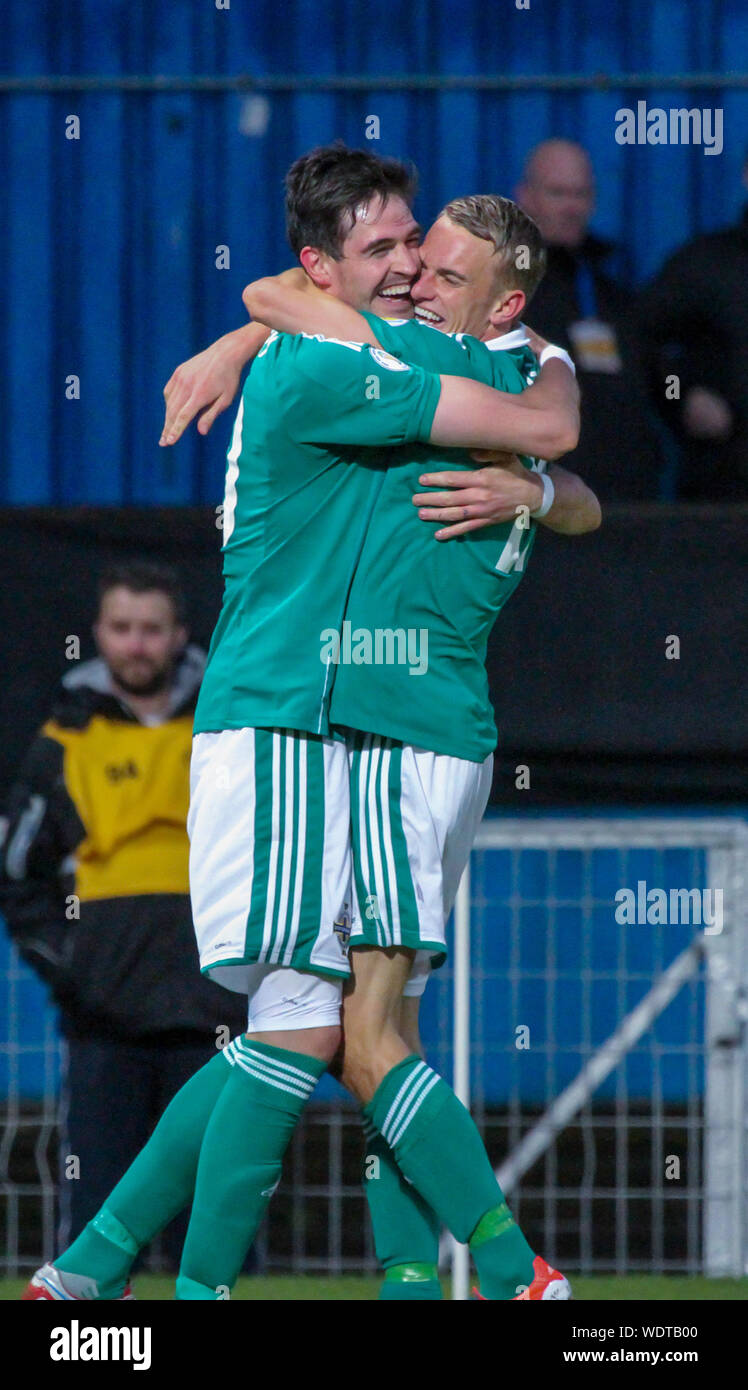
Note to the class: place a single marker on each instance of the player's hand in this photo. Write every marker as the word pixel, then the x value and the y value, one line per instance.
pixel 486 497
pixel 207 382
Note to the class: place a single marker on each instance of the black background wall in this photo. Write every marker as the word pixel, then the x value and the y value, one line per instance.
pixel 584 693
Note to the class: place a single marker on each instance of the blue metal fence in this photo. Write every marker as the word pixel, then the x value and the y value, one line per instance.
pixel 110 240
pixel 547 954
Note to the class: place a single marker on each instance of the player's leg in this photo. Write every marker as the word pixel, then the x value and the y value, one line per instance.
pixel 409 802
pixel 410 1032
pixel 294 1031
pixel 278 915
pixel 155 1188
pixel 234 822
pixel 160 1182
pixel 433 1139
pixel 406 1230
pixel 172 1070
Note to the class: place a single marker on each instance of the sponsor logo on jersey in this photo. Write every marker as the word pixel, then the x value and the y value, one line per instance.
pixel 385 359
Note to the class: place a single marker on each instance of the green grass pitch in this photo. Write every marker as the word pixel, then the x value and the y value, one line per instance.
pixel 284 1289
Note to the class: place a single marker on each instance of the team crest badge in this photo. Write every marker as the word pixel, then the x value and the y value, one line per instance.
pixel 342 929
pixel 385 359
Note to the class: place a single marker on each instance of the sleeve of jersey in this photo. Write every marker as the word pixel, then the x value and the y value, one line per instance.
pixel 351 393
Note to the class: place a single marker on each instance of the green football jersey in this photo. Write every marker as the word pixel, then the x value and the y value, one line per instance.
pixel 411 663
pixel 315 425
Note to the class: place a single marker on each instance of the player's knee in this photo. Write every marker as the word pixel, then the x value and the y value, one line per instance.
pixel 355 1058
pixel 371 1006
pixel 357 1074
pixel 322 1043
pixel 365 1025
pixel 409 1030
pixel 371 1047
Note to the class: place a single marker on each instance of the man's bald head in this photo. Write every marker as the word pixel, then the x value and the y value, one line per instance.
pixel 558 191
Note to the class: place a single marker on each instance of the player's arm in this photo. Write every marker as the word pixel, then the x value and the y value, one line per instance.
pixel 291 303
pixel 542 422
pixel 337 392
pixel 575 509
pixel 497 492
pixel 209 381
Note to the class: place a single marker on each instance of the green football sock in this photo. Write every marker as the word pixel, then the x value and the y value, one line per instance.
pixel 439 1149
pixel 406 1231
pixel 499 1248
pixel 158 1184
pixel 240 1162
pixel 411 1284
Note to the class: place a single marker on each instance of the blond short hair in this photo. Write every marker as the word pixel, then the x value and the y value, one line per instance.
pixel 516 238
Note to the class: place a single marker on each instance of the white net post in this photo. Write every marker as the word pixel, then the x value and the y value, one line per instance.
pixel 461 1075
pixel 726 1099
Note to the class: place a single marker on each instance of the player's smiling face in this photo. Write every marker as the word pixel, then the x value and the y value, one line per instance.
pixel 456 289
pixel 380 260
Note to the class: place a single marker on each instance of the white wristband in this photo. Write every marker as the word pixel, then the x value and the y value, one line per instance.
pixel 552 351
pixel 549 492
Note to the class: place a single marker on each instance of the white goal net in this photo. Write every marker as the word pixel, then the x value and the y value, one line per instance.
pixel 600 1009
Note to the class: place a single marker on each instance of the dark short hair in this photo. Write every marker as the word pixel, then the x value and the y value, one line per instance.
pixel 516 239
pixel 144 577
pixel 326 186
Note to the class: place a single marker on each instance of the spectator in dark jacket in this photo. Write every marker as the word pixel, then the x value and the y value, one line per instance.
pixel 695 313
pixel 579 305
pixel 94 887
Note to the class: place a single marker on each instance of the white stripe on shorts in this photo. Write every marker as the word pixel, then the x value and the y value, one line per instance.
pixel 273 859
pixel 373 825
pixel 300 853
pixel 384 799
pixel 289 809
pixel 362 821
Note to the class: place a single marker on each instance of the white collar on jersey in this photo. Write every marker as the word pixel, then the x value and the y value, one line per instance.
pixel 506 341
